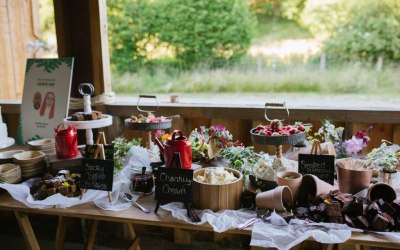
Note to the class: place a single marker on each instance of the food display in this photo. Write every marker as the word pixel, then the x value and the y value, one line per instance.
pixel 216 175
pixel 276 133
pixel 357 212
pixel 65 184
pixel 147 118
pixel 82 116
pixel 276 128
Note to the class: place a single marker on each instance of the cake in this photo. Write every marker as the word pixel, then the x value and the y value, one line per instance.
pixel 3 130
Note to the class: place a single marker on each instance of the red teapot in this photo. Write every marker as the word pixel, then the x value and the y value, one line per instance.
pixel 66 141
pixel 176 143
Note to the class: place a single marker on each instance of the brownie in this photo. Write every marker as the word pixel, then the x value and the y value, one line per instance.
pixel 373 210
pixel 63 190
pixel 42 194
pixel 333 209
pixel 380 223
pixel 48 183
pixel 389 218
pixel 72 188
pixel 51 191
pixel 349 221
pixel 56 184
pixel 361 222
pixel 388 208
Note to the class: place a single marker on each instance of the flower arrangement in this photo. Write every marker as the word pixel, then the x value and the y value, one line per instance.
pixel 344 148
pixel 328 132
pixel 208 143
pixel 357 142
pixel 386 157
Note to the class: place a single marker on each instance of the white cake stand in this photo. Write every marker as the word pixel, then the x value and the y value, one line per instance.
pixel 105 121
pixel 7 142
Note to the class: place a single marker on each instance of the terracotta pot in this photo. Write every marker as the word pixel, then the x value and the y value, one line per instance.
pixel 352 181
pixel 388 178
pixel 381 191
pixel 293 184
pixel 312 187
pixel 280 199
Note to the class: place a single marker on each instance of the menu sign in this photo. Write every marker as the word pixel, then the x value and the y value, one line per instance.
pixel 322 166
pixel 45 98
pixel 97 174
pixel 173 184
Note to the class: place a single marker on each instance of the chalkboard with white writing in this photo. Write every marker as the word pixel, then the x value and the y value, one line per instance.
pixel 97 174
pixel 322 166
pixel 173 184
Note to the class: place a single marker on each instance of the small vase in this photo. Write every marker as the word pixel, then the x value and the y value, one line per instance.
pixel 388 178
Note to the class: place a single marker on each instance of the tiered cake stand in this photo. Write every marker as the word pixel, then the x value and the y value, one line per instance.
pixel 278 141
pixel 105 121
pixel 148 127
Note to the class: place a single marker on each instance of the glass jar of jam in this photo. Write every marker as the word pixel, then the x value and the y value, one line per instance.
pixel 142 182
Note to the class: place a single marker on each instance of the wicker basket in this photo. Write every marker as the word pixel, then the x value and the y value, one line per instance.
pixel 10 173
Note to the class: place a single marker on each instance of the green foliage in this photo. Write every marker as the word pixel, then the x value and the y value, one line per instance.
pixel 197 32
pixel 372 29
pixel 121 149
pixel 357 29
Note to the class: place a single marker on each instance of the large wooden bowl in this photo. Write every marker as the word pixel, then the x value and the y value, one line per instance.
pixel 217 197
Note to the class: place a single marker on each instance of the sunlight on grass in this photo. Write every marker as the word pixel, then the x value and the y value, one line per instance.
pixel 295 78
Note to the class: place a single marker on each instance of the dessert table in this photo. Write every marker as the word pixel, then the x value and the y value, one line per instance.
pixel 134 216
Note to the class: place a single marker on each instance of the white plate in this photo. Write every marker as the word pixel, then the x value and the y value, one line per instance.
pixel 7 142
pixel 104 122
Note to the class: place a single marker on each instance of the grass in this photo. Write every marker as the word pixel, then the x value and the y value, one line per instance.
pixel 347 78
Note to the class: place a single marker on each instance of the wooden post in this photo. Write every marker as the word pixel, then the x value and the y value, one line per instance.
pixel 81 28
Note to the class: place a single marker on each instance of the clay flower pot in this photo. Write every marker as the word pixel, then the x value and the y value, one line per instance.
pixel 290 179
pixel 280 199
pixel 352 180
pixel 312 187
pixel 381 191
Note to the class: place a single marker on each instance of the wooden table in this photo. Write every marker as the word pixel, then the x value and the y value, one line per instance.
pixel 135 216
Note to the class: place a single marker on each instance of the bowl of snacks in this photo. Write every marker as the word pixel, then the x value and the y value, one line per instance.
pixel 276 133
pixel 217 188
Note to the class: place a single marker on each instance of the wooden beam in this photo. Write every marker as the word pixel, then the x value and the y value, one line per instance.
pixel 27 231
pixel 81 28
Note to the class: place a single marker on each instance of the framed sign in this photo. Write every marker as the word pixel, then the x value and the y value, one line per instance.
pixel 322 166
pixel 97 174
pixel 45 98
pixel 173 184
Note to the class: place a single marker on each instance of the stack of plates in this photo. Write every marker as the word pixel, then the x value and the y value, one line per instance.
pixel 10 173
pixel 7 156
pixel 32 163
pixel 43 144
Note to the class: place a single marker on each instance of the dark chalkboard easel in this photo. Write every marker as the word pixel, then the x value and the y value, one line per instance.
pixel 98 165
pixel 176 187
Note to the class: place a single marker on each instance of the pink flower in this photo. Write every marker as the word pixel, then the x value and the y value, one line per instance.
pixel 354 145
pixel 159 133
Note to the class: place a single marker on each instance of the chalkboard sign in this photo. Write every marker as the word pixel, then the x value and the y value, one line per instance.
pixel 322 166
pixel 108 151
pixel 173 184
pixel 97 174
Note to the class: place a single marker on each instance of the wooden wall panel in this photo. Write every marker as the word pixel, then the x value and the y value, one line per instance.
pixel 18 25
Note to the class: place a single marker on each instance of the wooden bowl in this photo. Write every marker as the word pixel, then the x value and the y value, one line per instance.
pixel 217 196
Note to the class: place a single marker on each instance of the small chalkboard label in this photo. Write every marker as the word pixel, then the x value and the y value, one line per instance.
pixel 108 151
pixel 97 174
pixel 173 184
pixel 322 166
